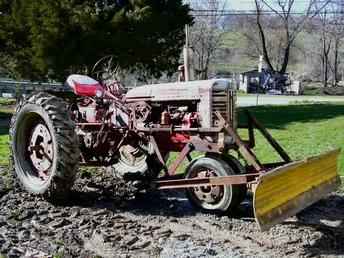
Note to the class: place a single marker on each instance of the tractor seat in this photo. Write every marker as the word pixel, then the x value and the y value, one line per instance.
pixel 83 85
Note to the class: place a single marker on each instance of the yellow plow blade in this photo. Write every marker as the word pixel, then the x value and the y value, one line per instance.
pixel 286 190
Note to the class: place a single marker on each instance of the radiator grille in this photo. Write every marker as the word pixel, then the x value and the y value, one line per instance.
pixel 223 102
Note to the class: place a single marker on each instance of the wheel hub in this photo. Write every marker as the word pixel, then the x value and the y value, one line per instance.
pixel 41 150
pixel 208 194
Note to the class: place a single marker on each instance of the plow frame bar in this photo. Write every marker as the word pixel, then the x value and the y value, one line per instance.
pixel 254 167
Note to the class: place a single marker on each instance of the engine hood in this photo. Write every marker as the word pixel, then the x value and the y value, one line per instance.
pixel 177 91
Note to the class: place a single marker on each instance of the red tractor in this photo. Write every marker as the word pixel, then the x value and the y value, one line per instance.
pixel 133 133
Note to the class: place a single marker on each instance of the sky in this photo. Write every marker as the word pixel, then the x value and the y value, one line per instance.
pixel 299 5
pixel 247 5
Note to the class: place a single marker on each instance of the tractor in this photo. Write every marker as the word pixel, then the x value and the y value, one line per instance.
pixel 133 133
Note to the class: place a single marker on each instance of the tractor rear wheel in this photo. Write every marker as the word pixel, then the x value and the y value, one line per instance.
pixel 215 199
pixel 45 148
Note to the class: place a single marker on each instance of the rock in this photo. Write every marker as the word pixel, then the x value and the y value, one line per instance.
pixel 5 247
pixel 182 237
pixel 84 211
pixel 23 235
pixel 44 219
pixel 83 221
pixel 59 223
pixel 75 212
pixel 2 241
pixel 211 252
pixel 3 189
pixel 97 245
pixel 2 222
pixel 131 241
pixel 27 213
pixel 100 212
pixel 41 211
pixel 162 233
pixel 26 225
pixel 15 252
pixel 32 253
pixel 141 245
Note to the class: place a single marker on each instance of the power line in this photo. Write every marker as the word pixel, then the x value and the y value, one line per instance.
pixel 252 12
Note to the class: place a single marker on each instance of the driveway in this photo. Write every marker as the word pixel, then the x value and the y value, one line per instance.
pixel 251 100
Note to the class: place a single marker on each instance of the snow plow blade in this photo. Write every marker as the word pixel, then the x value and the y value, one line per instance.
pixel 286 190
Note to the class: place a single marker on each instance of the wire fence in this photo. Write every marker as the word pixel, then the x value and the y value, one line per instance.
pixel 13 89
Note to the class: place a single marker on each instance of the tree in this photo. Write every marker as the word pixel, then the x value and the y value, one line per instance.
pixel 274 42
pixel 291 26
pixel 205 35
pixel 326 44
pixel 329 27
pixel 48 39
pixel 337 34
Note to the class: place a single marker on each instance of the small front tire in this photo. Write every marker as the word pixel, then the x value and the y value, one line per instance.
pixel 214 199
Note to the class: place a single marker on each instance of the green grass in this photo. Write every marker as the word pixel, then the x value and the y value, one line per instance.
pixel 303 130
pixel 313 89
pixel 5 116
pixel 6 101
pixel 4 150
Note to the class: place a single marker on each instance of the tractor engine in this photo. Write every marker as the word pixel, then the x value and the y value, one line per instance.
pixel 116 130
pixel 188 104
pixel 186 108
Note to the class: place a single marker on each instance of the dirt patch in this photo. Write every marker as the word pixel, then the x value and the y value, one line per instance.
pixel 97 222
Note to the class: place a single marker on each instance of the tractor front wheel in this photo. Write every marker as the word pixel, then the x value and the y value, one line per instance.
pixel 215 199
pixel 45 148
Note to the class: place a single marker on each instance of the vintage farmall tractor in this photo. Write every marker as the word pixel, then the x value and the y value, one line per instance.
pixel 134 133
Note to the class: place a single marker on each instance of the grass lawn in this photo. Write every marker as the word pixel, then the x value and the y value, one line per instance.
pixel 4 151
pixel 303 130
pixel 6 101
pixel 5 116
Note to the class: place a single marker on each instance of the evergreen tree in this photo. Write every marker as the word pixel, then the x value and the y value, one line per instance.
pixel 49 39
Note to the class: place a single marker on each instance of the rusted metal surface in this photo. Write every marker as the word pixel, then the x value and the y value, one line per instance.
pixel 206 181
pixel 181 157
pixel 157 151
pixel 244 150
pixel 205 146
pixel 210 194
pixel 41 150
pixel 174 129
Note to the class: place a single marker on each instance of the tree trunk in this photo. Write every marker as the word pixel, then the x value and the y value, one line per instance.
pixel 325 75
pixel 285 60
pixel 265 51
pixel 336 61
pixel 263 40
pixel 325 60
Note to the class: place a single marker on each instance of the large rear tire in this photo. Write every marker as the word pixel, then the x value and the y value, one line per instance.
pixel 45 150
pixel 214 199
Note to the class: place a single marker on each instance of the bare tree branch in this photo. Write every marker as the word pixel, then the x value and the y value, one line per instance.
pixel 291 27
pixel 205 35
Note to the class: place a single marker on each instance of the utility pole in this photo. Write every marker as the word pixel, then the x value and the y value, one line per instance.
pixel 260 69
pixel 260 64
pixel 186 55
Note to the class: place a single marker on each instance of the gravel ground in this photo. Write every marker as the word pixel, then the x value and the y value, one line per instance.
pixel 97 222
